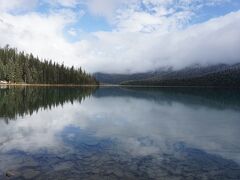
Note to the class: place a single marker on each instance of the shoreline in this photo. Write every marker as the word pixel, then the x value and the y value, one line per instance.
pixel 51 85
pixel 110 85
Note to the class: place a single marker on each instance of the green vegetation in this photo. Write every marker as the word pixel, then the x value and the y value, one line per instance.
pixel 19 67
pixel 228 77
pixel 26 100
pixel 218 75
pixel 213 80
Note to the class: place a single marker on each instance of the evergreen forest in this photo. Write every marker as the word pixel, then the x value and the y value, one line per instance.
pixel 20 67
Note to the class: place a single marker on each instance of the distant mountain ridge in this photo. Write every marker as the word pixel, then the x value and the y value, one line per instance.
pixel 195 75
pixel 119 78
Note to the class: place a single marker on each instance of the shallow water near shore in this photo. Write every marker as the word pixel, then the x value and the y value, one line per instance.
pixel 119 133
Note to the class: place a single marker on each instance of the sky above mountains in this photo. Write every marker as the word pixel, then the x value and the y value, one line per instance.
pixel 124 36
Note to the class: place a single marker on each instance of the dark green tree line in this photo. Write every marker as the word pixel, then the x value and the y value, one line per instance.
pixel 18 67
pixel 225 78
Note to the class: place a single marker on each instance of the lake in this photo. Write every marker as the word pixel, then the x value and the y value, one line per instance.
pixel 119 133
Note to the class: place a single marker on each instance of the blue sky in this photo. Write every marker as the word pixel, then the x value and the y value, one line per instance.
pixel 126 35
pixel 209 12
pixel 90 22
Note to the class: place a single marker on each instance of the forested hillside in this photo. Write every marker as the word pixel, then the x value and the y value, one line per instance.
pixel 196 75
pixel 229 76
pixel 118 78
pixel 19 67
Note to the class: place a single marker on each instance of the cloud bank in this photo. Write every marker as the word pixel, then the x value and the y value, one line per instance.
pixel 145 34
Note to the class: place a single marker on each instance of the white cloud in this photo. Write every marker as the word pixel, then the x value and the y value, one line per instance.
pixel 143 39
pixel 40 34
pixel 17 5
pixel 72 32
pixel 104 7
pixel 63 3
pixel 138 15
pixel 215 41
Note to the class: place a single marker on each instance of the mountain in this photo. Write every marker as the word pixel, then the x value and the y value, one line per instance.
pixel 196 75
pixel 119 78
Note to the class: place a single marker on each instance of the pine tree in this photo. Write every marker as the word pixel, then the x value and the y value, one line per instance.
pixel 20 67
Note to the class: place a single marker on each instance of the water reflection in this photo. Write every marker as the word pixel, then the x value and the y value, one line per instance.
pixel 123 134
pixel 26 100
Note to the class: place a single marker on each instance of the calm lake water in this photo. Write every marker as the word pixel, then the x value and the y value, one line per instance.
pixel 119 133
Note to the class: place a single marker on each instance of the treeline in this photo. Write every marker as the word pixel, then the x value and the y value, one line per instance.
pixel 225 78
pixel 19 67
pixel 26 100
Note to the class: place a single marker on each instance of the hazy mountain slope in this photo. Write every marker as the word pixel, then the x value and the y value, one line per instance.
pixel 221 75
pixel 192 71
pixel 119 78
pixel 192 75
